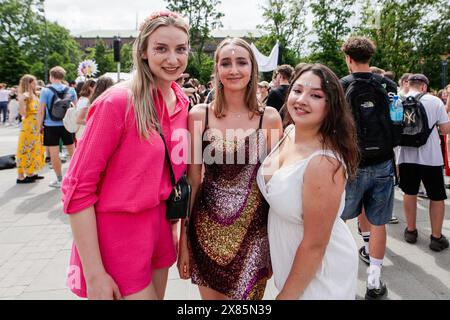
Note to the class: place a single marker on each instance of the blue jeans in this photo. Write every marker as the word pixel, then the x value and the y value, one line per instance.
pixel 373 190
pixel 4 110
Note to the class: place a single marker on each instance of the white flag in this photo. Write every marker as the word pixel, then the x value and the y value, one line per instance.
pixel 266 64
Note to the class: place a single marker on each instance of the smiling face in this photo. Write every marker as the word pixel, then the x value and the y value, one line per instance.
pixel 307 101
pixel 167 53
pixel 234 67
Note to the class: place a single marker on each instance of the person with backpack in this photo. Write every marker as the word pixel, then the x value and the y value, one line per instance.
pixel 373 188
pixel 55 99
pixel 420 159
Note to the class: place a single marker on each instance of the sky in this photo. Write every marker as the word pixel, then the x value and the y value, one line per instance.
pixel 86 15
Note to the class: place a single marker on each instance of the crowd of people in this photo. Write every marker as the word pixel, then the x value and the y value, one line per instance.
pixel 42 137
pixel 275 170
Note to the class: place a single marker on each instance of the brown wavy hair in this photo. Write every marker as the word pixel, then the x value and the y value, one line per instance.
pixel 338 129
pixel 251 100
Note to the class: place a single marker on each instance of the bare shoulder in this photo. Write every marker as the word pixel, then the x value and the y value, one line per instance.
pixel 322 168
pixel 272 118
pixel 198 112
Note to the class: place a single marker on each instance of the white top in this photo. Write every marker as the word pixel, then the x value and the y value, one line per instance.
pixel 82 103
pixel 336 277
pixel 429 154
pixel 4 95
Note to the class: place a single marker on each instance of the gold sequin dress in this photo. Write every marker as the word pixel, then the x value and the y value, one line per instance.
pixel 227 232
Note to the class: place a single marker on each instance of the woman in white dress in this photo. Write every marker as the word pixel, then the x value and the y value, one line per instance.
pixel 313 253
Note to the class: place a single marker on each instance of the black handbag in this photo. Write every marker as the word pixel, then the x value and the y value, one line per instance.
pixel 178 203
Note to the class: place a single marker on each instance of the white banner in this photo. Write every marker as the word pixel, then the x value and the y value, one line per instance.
pixel 266 64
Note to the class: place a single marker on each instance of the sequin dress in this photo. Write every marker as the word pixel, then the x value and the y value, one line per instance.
pixel 227 233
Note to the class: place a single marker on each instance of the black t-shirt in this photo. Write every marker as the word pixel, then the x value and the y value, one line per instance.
pixel 391 88
pixel 277 96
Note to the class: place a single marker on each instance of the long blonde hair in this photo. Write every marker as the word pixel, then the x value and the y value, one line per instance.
pixel 143 84
pixel 251 100
pixel 25 87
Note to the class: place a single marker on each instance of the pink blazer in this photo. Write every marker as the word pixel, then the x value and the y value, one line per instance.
pixel 117 171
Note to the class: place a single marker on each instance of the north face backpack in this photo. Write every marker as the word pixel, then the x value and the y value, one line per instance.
pixel 369 101
pixel 60 103
pixel 415 127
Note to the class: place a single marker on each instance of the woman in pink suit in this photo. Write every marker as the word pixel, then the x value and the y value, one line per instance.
pixel 118 180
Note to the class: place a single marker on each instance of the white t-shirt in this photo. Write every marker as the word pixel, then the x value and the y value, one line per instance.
pixel 429 154
pixel 4 95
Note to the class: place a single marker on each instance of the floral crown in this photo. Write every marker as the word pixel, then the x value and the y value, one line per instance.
pixel 159 14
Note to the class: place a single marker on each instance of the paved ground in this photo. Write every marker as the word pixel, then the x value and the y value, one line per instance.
pixel 35 241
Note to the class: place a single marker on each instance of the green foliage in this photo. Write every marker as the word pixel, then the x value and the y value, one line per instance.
pixel 331 26
pixel 203 17
pixel 22 43
pixel 126 53
pixel 407 39
pixel 104 58
pixel 200 66
pixel 285 22
pixel 11 69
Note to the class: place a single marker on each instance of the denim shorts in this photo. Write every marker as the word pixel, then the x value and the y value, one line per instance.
pixel 373 190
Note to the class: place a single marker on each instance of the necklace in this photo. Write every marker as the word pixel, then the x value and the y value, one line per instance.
pixel 235 114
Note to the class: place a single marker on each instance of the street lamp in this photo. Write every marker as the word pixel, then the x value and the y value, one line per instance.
pixel 41 9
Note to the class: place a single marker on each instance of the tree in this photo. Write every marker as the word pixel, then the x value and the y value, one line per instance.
pixel 285 22
pixel 331 26
pixel 202 71
pixel 126 53
pixel 203 17
pixel 63 50
pixel 104 57
pixel 22 42
pixel 407 39
pixel 13 63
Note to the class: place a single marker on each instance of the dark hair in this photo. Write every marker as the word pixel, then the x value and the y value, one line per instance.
pixel 286 71
pixel 360 49
pixel 85 89
pixel 102 84
pixel 338 129
pixel 79 87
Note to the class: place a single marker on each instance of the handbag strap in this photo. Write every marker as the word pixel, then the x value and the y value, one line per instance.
pixel 172 175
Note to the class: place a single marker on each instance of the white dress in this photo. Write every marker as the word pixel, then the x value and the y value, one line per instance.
pixel 336 277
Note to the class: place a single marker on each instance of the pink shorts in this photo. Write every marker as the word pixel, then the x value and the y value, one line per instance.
pixel 132 245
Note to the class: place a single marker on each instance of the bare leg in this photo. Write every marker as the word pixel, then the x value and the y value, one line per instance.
pixel 410 210
pixel 364 224
pixel 160 282
pixel 70 149
pixel 377 241
pixel 437 212
pixel 55 160
pixel 210 294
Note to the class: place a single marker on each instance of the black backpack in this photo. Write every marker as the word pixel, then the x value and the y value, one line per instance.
pixel 369 101
pixel 415 127
pixel 60 103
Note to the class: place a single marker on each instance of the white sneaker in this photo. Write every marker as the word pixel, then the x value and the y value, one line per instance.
pixel 55 184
